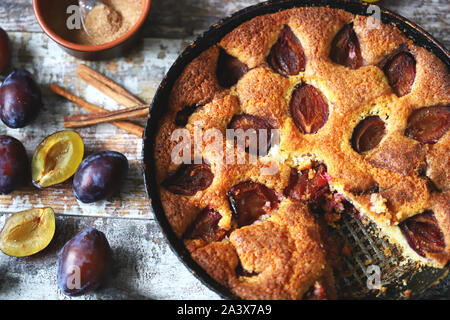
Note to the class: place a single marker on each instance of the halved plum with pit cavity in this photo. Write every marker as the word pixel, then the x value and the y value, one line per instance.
pixel 229 69
pixel 400 71
pixel 260 127
pixel 345 49
pixel 28 232
pixel 189 179
pixel 368 134
pixel 206 226
pixel 428 124
pixel 250 200
pixel 303 186
pixel 423 234
pixel 57 158
pixel 286 56
pixel 308 109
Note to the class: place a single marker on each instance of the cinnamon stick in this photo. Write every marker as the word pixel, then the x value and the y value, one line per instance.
pixel 108 87
pixel 124 125
pixel 83 120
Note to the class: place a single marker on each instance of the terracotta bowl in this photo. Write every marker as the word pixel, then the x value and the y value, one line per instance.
pixel 51 16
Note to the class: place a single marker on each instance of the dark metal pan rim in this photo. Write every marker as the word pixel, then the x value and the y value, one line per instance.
pixel 212 37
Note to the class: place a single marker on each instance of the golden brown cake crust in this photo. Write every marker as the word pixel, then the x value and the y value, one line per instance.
pixel 396 180
pixel 284 256
pixel 438 162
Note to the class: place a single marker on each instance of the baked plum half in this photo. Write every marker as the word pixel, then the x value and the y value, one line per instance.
pixel 254 126
pixel 250 200
pixel 368 134
pixel 304 186
pixel 423 234
pixel 308 109
pixel 286 56
pixel 206 226
pixel 229 69
pixel 400 71
pixel 189 179
pixel 428 124
pixel 345 49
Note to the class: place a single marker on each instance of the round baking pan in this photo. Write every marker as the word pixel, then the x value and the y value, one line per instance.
pixel 417 281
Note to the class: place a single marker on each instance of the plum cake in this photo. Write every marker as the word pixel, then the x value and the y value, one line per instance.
pixel 361 116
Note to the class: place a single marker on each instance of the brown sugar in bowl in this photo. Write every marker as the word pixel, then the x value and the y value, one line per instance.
pixel 51 16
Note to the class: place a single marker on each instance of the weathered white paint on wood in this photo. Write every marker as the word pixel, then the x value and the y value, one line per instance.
pixel 141 73
pixel 144 266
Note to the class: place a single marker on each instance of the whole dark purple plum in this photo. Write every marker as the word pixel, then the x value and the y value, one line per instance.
pixel 20 99
pixel 14 169
pixel 100 176
pixel 84 262
pixel 5 50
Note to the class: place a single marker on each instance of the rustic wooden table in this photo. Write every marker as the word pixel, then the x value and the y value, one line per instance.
pixel 144 267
